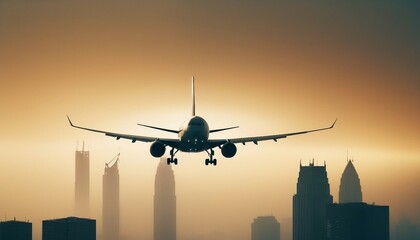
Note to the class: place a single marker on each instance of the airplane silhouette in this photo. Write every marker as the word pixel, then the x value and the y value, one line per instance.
pixel 193 136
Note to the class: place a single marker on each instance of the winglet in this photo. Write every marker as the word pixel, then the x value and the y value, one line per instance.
pixel 71 124
pixel 334 123
pixel 193 97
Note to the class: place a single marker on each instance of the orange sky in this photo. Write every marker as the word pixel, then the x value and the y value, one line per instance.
pixel 268 67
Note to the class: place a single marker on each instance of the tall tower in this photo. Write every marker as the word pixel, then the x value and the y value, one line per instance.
pixel 265 228
pixel 111 201
pixel 350 189
pixel 82 183
pixel 309 203
pixel 164 203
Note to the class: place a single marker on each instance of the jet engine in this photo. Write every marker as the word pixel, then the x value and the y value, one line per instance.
pixel 228 150
pixel 157 149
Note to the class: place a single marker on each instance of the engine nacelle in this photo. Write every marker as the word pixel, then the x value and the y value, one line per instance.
pixel 228 150
pixel 157 149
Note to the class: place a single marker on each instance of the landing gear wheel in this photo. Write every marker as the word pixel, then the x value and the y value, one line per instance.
pixel 210 160
pixel 172 159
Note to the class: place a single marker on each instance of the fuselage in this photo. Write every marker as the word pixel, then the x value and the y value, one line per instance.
pixel 194 134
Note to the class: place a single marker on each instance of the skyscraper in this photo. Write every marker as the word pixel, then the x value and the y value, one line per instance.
pixel 15 230
pixel 265 228
pixel 82 183
pixel 111 201
pixel 309 203
pixel 164 203
pixel 350 189
pixel 286 232
pixel 406 230
pixel 357 221
pixel 71 228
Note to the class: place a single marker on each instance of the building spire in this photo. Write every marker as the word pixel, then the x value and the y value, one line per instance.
pixel 350 187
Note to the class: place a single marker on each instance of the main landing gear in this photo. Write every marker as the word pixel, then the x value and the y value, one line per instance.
pixel 172 159
pixel 210 160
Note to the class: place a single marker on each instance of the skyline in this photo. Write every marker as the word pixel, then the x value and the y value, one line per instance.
pixel 164 174
pixel 268 67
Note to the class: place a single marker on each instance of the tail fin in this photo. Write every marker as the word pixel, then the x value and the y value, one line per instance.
pixel 193 97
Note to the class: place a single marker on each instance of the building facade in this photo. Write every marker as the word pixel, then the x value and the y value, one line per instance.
pixel 309 203
pixel 111 203
pixel 357 221
pixel 164 227
pixel 82 183
pixel 15 230
pixel 265 228
pixel 71 228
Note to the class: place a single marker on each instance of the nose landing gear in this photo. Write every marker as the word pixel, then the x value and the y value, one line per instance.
pixel 210 160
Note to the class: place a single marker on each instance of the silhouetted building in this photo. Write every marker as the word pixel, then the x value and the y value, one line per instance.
pixel 286 232
pixel 71 228
pixel 310 202
pixel 164 203
pixel 357 221
pixel 265 228
pixel 350 189
pixel 405 230
pixel 111 202
pixel 15 230
pixel 82 183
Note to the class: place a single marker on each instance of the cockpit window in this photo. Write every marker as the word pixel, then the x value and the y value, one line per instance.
pixel 195 124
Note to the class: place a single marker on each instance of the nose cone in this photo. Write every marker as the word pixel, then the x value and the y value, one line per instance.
pixel 197 122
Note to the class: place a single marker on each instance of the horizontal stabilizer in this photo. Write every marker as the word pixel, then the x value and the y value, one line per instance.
pixel 161 129
pixel 222 129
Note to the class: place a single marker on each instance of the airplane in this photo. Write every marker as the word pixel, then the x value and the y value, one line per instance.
pixel 193 137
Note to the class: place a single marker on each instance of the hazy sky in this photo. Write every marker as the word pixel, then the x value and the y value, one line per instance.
pixel 267 66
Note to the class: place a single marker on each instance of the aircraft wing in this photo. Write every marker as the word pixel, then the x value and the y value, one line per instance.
pixel 167 141
pixel 257 139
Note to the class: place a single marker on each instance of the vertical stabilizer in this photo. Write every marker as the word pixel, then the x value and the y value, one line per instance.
pixel 193 97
